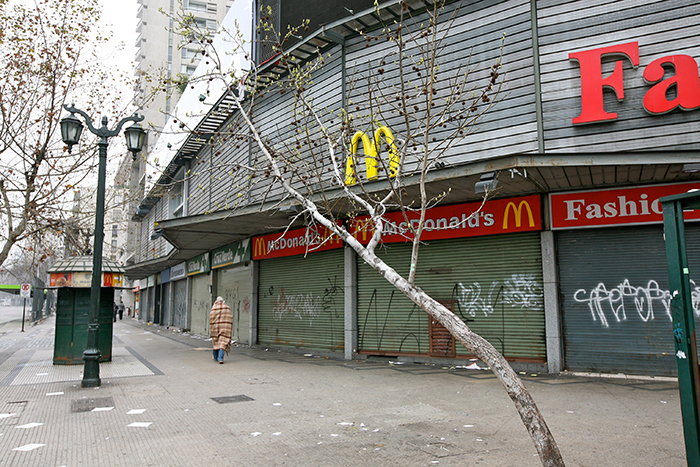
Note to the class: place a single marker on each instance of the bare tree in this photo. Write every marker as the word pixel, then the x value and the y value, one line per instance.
pixel 310 156
pixel 46 59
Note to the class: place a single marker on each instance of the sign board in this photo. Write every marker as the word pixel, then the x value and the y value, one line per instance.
pixel 620 206
pixel 178 272
pixel 198 264
pixel 25 291
pixel 522 214
pixel 235 253
pixel 294 242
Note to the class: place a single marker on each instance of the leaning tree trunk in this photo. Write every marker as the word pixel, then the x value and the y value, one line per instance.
pixel 529 413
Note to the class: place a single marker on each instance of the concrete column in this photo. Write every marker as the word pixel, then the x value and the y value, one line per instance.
pixel 350 303
pixel 255 280
pixel 552 314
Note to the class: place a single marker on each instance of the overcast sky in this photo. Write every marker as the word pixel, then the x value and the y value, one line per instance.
pixel 119 16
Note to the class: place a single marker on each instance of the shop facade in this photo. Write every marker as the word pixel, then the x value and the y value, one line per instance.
pixel 598 119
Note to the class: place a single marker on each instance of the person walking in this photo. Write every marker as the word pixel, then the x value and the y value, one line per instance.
pixel 220 328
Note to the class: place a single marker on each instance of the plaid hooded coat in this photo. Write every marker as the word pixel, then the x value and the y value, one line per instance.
pixel 221 325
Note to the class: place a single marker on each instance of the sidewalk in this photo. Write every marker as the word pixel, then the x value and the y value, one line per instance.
pixel 164 402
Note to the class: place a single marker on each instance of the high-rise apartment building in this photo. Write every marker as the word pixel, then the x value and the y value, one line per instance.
pixel 161 51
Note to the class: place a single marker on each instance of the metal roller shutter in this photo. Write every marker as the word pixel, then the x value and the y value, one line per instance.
pixel 180 304
pixel 301 301
pixel 234 285
pixel 200 304
pixel 615 298
pixel 494 283
pixel 165 306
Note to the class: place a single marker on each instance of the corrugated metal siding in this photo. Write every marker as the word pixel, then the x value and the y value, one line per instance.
pixel 301 301
pixel 494 283
pixel 661 27
pixel 509 127
pixel 615 298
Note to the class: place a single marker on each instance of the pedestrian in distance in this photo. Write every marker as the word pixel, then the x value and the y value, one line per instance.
pixel 114 312
pixel 121 310
pixel 220 328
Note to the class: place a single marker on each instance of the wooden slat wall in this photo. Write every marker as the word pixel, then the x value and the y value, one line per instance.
pixel 510 126
pixel 198 183
pixel 661 27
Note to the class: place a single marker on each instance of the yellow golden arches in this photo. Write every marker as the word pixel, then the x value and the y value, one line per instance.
pixel 371 149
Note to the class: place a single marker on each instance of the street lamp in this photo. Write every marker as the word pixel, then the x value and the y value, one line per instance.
pixel 71 129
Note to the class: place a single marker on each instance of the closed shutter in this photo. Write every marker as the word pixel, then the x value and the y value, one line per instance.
pixel 233 284
pixel 493 283
pixel 165 305
pixel 200 305
pixel 180 304
pixel 615 299
pixel 301 301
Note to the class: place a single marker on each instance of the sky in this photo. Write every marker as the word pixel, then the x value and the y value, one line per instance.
pixel 119 16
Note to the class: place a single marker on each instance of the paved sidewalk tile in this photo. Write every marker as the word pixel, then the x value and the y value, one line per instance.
pixel 164 402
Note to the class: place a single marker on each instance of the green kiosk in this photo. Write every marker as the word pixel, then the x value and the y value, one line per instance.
pixel 72 278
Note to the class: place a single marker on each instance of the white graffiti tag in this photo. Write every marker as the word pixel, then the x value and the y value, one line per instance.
pixel 518 291
pixel 648 301
pixel 300 306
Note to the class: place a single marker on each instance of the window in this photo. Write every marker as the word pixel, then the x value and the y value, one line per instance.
pixel 115 230
pixel 188 54
pixel 114 245
pixel 193 5
pixel 187 69
pixel 177 195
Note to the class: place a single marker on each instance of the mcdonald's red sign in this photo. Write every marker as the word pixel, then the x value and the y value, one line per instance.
pixel 294 242
pixel 499 216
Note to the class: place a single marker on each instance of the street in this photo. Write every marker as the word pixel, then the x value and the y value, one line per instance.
pixel 164 402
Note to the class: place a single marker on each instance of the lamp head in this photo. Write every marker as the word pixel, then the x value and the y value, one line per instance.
pixel 135 138
pixel 71 129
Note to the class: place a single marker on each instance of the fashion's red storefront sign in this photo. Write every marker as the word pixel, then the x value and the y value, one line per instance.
pixel 638 205
pixel 499 216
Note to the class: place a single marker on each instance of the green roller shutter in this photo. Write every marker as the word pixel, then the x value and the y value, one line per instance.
pixel 200 304
pixel 234 284
pixel 494 283
pixel 301 302
pixel 615 298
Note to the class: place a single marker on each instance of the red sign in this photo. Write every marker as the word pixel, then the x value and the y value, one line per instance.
pixel 294 242
pixel 685 82
pixel 496 217
pixel 638 205
pixel 62 279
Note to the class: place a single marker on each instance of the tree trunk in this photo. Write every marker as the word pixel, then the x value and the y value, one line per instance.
pixel 529 413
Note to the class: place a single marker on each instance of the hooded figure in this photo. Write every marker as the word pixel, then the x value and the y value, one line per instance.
pixel 220 327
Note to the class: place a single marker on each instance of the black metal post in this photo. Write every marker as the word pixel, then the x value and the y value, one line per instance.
pixel 91 355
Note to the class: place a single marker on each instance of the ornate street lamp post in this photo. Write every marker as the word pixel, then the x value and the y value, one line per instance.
pixel 71 128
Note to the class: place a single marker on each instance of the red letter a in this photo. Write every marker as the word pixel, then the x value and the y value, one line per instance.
pixel 592 81
pixel 686 81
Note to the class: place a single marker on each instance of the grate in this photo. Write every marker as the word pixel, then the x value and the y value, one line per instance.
pixel 229 399
pixel 86 405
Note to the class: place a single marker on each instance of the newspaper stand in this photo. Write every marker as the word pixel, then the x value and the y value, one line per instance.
pixel 72 278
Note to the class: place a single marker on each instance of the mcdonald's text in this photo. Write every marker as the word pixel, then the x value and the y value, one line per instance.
pixel 455 221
